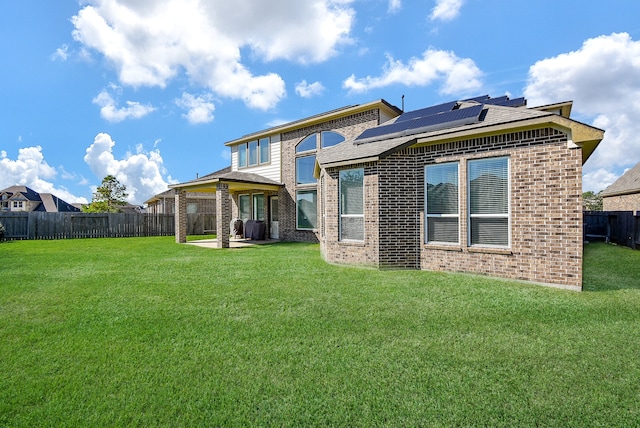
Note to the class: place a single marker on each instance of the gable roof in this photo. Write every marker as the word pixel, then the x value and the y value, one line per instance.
pixel 24 191
pixel 628 183
pixel 318 118
pixel 493 119
pixel 48 202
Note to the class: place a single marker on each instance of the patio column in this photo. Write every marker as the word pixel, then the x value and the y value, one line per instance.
pixel 223 215
pixel 181 216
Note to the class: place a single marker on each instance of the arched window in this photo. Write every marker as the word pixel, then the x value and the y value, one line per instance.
pixel 309 143
pixel 330 138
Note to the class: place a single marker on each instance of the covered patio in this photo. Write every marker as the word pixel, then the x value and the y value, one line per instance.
pixel 229 186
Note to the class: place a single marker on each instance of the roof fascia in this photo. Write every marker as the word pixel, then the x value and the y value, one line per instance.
pixel 585 136
pixel 209 186
pixel 323 117
pixel 563 107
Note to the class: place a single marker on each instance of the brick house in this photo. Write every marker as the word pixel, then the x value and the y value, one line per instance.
pixel 624 193
pixel 483 185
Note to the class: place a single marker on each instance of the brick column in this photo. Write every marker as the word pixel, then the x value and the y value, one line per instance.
pixel 181 216
pixel 223 215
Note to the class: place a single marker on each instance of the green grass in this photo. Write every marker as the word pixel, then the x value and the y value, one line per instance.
pixel 146 332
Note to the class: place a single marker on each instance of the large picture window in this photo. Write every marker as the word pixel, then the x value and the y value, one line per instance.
pixel 488 184
pixel 306 183
pixel 442 219
pixel 304 169
pixel 307 209
pixel 352 204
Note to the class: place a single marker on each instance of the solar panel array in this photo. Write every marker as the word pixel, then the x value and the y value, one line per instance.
pixel 440 116
pixel 428 111
pixel 500 101
pixel 414 123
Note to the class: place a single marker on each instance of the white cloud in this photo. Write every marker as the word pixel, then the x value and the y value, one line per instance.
pixel 62 53
pixel 30 169
pixel 394 6
pixel 458 75
pixel 446 10
pixel 598 179
pixel 199 109
pixel 603 80
pixel 308 90
pixel 110 111
pixel 140 172
pixel 151 42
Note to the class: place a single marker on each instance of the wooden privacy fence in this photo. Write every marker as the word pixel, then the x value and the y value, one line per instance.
pixel 619 227
pixel 43 225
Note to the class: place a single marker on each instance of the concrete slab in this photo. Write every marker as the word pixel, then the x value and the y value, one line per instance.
pixel 233 242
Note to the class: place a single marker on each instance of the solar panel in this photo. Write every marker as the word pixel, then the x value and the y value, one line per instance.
pixel 424 124
pixel 448 117
pixel 497 101
pixel 516 102
pixel 480 99
pixel 383 130
pixel 428 111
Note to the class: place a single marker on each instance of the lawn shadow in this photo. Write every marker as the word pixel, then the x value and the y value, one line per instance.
pixel 610 267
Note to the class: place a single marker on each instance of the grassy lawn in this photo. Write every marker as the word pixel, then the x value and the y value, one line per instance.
pixel 146 332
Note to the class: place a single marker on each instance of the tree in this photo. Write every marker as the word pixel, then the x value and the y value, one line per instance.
pixel 108 198
pixel 592 201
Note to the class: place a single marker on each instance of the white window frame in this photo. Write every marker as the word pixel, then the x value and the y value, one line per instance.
pixel 428 216
pixel 506 215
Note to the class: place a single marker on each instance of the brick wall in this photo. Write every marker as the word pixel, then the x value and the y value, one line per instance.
pixel 352 253
pixel 349 127
pixel 621 203
pixel 546 211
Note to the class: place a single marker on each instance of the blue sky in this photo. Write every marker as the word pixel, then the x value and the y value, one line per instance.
pixel 150 90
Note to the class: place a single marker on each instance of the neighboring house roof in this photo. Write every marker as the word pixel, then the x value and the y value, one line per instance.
pixel 48 201
pixel 491 120
pixel 627 184
pixel 240 180
pixel 51 204
pixel 164 195
pixel 21 192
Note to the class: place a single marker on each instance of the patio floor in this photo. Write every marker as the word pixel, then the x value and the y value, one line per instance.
pixel 233 242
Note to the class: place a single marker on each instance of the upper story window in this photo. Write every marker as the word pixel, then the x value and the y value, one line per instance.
pixel 330 138
pixel 306 192
pixel 253 153
pixel 326 138
pixel 309 143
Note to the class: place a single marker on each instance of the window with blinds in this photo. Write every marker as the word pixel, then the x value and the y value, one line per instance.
pixel 442 215
pixel 352 204
pixel 488 187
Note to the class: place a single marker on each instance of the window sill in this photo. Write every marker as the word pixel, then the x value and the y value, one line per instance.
pixel 349 243
pixel 489 250
pixel 443 247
